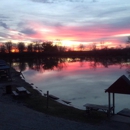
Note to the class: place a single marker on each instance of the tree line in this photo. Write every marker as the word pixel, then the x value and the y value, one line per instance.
pixel 46 46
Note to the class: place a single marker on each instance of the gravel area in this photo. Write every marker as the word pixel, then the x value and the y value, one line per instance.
pixel 18 117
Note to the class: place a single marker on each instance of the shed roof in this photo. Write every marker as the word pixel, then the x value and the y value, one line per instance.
pixel 121 85
pixel 4 67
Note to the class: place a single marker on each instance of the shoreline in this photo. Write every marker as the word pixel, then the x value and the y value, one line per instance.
pixel 21 79
pixel 38 102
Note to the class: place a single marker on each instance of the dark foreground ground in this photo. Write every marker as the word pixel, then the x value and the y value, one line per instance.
pixel 15 116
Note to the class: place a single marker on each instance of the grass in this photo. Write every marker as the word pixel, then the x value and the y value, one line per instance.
pixel 39 103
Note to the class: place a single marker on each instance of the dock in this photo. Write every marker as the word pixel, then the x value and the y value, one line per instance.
pixel 124 112
pixel 122 116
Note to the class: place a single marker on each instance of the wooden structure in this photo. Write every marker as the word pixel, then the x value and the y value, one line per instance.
pixel 4 70
pixel 20 92
pixel 104 108
pixel 124 112
pixel 120 86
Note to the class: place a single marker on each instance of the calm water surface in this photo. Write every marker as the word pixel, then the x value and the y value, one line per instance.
pixel 80 82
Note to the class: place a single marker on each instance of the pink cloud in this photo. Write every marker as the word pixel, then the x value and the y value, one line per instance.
pixel 93 33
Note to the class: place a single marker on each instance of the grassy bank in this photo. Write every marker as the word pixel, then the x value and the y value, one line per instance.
pixel 39 103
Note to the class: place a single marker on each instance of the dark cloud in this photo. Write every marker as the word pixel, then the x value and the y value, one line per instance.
pixel 28 31
pixel 43 1
pixel 21 24
pixel 52 1
pixel 3 17
pixel 4 25
pixel 3 34
pixel 113 11
pixel 120 24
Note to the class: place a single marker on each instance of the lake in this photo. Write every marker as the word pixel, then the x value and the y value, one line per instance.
pixel 78 81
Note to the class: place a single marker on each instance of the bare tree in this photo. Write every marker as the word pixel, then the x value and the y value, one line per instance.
pixel 128 40
pixel 3 49
pixel 102 44
pixel 21 47
pixel 38 46
pixel 94 47
pixel 81 47
pixel 8 46
pixel 47 46
pixel 30 47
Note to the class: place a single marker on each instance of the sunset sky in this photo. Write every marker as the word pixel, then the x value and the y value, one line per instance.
pixel 73 22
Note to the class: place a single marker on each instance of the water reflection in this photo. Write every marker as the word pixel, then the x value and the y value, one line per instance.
pixel 51 63
pixel 79 80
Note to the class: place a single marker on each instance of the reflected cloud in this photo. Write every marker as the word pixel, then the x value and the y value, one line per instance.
pixel 96 97
pixel 77 84
pixel 77 98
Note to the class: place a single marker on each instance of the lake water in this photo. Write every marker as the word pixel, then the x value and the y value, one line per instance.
pixel 79 82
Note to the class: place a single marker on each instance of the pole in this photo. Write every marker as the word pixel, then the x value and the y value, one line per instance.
pixel 109 104
pixel 113 103
pixel 47 99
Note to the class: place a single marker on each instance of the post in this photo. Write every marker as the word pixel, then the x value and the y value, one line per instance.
pixel 109 103
pixel 113 103
pixel 47 99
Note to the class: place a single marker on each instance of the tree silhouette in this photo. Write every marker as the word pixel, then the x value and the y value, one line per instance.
pixel 3 49
pixel 8 46
pixel 61 48
pixel 94 47
pixel 48 46
pixel 30 47
pixel 128 40
pixel 22 66
pixel 21 47
pixel 50 63
pixel 81 47
pixel 37 47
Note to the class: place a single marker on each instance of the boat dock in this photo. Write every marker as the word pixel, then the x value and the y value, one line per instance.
pixel 122 116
